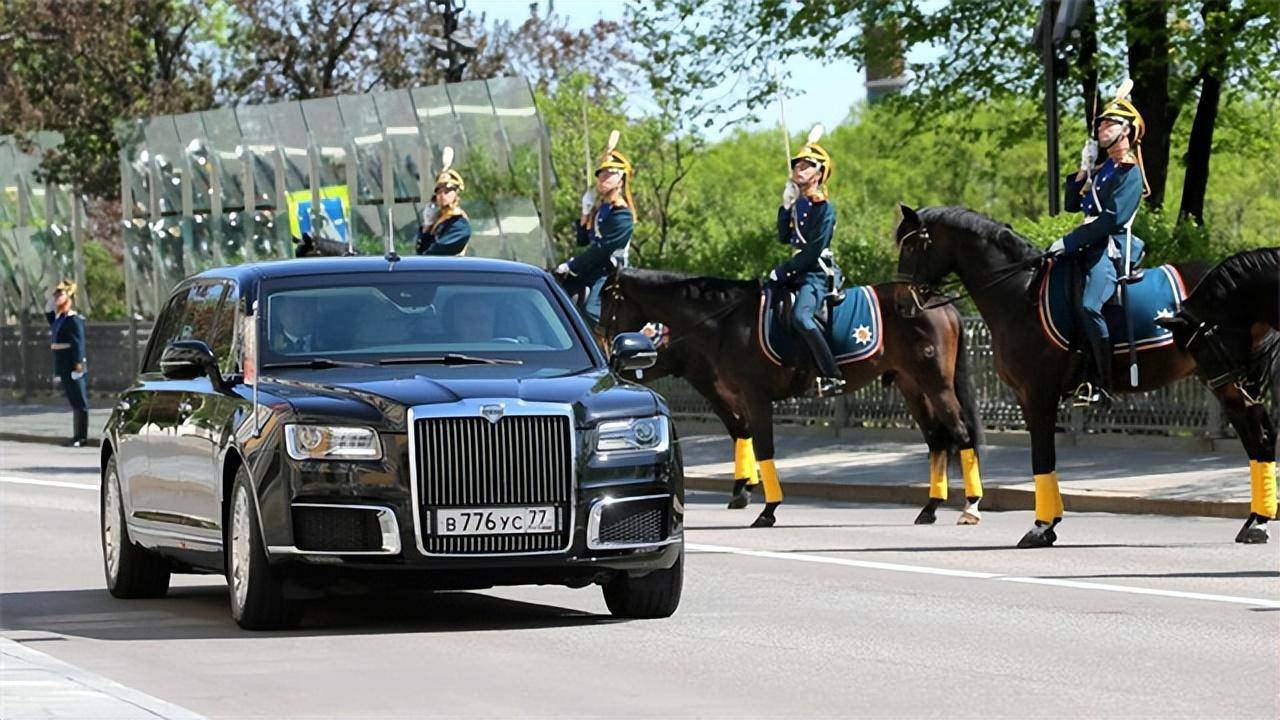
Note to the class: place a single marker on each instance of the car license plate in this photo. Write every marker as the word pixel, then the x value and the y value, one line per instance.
pixel 495 521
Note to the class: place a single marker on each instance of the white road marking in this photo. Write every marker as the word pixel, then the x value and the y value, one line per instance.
pixel 923 570
pixel 47 483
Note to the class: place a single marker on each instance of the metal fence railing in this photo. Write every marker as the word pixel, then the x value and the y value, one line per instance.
pixel 1183 408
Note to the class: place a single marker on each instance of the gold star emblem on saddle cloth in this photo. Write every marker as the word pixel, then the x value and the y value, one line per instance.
pixel 862 335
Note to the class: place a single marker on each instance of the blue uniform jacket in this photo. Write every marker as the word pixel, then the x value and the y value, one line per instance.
pixel 448 237
pixel 66 336
pixel 1119 190
pixel 612 232
pixel 817 222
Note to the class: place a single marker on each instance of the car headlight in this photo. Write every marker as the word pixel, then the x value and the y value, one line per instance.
pixel 326 442
pixel 638 436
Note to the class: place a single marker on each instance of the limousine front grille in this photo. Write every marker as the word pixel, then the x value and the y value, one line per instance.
pixel 472 462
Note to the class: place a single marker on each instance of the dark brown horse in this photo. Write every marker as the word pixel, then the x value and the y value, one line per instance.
pixel 714 343
pixel 1231 326
pixel 996 266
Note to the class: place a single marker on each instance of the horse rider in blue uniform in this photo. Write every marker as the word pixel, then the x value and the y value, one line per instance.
pixel 66 339
pixel 605 228
pixel 1108 194
pixel 445 228
pixel 806 221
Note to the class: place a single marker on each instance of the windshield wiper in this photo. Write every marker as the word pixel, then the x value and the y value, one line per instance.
pixel 316 364
pixel 449 359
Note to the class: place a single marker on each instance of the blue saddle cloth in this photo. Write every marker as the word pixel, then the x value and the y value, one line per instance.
pixel 1158 294
pixel 854 333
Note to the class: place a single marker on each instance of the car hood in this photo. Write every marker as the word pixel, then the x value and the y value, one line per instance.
pixel 382 396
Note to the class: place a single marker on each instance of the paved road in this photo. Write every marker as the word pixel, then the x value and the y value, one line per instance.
pixel 841 610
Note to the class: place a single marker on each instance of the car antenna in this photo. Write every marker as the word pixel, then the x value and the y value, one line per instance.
pixel 391 255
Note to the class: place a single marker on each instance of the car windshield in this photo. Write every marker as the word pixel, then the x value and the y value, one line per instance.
pixel 448 319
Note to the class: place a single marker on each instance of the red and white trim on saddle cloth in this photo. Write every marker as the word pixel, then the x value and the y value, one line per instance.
pixel 1059 338
pixel 873 299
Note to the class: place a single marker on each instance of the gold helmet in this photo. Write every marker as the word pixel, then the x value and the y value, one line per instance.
pixel 67 287
pixel 1123 110
pixel 451 178
pixel 817 155
pixel 614 160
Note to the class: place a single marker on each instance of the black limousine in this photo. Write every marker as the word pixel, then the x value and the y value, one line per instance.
pixel 444 423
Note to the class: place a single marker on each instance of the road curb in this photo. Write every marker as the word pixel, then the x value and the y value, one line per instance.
pixel 32 438
pixel 995 498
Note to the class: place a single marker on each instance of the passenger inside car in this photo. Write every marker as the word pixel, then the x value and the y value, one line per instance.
pixel 293 325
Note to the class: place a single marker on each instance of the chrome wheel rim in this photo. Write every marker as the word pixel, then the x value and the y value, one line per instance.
pixel 240 529
pixel 111 536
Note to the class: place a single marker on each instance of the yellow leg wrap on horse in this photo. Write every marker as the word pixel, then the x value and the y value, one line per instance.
pixel 937 475
pixel 744 461
pixel 1048 501
pixel 753 473
pixel 1255 486
pixel 1267 503
pixel 972 478
pixel 769 476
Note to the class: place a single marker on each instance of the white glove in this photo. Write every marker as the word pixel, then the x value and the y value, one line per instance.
pixel 562 268
pixel 773 276
pixel 77 374
pixel 429 214
pixel 588 201
pixel 1089 156
pixel 790 194
pixel 1058 247
pixel 48 304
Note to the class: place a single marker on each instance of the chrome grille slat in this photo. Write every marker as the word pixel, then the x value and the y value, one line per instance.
pixel 520 460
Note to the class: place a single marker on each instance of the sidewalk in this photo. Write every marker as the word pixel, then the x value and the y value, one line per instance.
pixel 865 468
pixel 36 685
pixel 1093 478
pixel 50 423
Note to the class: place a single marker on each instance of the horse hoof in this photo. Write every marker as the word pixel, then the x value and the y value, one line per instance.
pixel 1254 536
pixel 969 517
pixel 1034 539
pixel 739 501
pixel 926 517
pixel 764 521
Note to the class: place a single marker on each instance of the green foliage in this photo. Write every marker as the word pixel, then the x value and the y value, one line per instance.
pixel 105 279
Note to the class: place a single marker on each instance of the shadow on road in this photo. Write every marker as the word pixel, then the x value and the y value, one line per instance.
pixel 203 612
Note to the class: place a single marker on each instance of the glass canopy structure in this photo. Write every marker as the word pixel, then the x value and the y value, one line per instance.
pixel 235 185
pixel 40 223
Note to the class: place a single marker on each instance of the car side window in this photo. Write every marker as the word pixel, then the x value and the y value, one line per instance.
pixel 225 335
pixel 200 321
pixel 166 330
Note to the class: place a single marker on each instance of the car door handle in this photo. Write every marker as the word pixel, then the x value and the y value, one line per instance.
pixel 184 407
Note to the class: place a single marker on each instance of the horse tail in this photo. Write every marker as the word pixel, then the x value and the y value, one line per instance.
pixel 964 386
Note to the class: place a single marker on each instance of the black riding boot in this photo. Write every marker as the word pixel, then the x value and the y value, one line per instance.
pixel 822 356
pixel 80 427
pixel 1101 347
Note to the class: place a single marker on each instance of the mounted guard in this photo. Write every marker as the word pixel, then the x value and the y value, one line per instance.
pixel 604 228
pixel 445 230
pixel 1103 245
pixel 806 221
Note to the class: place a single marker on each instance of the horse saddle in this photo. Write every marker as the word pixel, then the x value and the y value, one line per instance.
pixel 1149 295
pixel 851 328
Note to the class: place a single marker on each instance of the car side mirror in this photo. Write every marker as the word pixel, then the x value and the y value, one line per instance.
pixel 632 351
pixel 189 359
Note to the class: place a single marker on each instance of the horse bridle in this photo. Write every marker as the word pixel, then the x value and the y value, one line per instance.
pixel 615 292
pixel 1210 336
pixel 919 288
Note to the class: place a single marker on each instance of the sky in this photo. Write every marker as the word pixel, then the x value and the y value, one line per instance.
pixel 821 92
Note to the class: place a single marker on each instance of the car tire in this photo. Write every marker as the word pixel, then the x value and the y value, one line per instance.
pixel 258 600
pixel 132 571
pixel 653 595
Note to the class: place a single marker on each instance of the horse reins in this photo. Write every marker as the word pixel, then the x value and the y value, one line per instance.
pixel 914 285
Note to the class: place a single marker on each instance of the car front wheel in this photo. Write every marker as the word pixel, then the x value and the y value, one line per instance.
pixel 132 571
pixel 258 600
pixel 655 595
